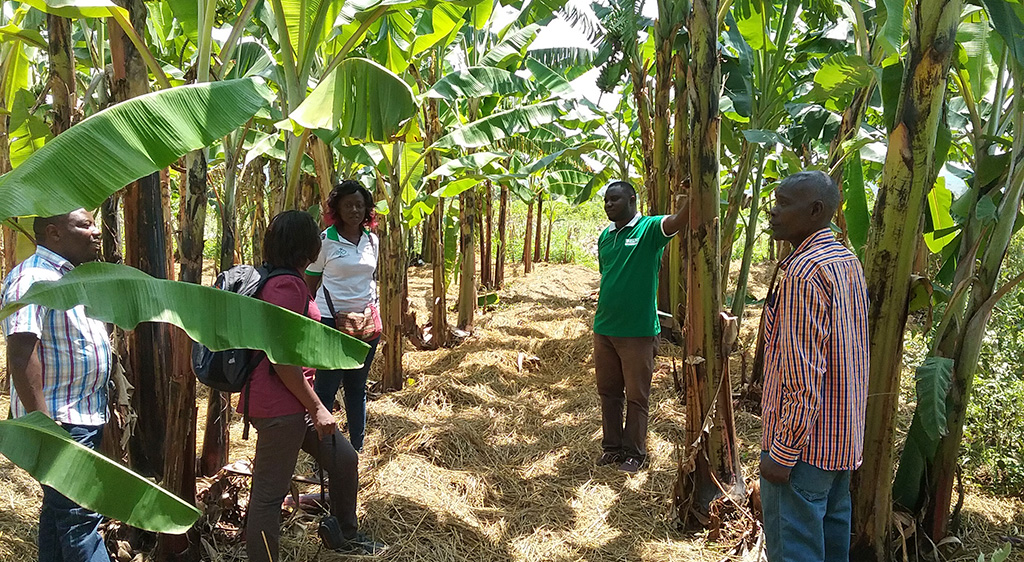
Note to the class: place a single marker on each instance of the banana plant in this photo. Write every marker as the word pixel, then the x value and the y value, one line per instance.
pixel 986 70
pixel 908 176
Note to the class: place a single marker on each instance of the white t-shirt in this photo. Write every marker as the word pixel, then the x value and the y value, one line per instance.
pixel 347 270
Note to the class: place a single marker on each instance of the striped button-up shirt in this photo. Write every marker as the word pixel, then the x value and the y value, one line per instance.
pixel 816 358
pixel 74 350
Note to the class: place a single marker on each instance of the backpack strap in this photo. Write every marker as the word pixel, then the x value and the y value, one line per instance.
pixel 271 272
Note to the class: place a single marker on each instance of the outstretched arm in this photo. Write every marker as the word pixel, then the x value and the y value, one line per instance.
pixel 675 223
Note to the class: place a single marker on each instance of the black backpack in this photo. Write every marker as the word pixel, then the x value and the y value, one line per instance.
pixel 229 370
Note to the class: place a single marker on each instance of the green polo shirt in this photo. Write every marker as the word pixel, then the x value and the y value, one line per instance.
pixel 629 259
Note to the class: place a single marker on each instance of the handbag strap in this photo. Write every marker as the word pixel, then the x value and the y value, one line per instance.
pixel 330 301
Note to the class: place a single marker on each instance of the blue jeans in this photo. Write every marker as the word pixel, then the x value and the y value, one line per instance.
pixel 67 531
pixel 808 518
pixel 354 382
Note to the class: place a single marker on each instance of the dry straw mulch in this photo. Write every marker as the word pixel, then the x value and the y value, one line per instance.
pixel 487 455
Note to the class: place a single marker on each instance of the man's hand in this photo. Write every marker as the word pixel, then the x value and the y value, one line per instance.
pixel 324 422
pixel 773 471
pixel 674 223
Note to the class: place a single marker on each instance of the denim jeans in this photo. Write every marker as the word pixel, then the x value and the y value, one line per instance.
pixel 67 531
pixel 808 518
pixel 354 382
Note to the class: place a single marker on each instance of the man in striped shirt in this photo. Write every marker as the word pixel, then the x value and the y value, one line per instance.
pixel 815 379
pixel 59 363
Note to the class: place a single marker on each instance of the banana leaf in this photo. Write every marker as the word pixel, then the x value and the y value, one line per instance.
pixel 125 142
pixel 218 319
pixel 43 449
pixel 11 32
pixel 511 48
pixel 501 125
pixel 479 81
pixel 78 8
pixel 360 98
pixel 549 79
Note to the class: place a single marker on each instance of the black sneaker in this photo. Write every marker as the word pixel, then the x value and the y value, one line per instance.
pixel 361 544
pixel 631 465
pixel 609 457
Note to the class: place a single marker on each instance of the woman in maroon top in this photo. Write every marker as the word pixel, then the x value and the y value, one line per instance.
pixel 286 412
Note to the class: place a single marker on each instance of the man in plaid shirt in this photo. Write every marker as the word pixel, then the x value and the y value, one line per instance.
pixel 815 380
pixel 59 362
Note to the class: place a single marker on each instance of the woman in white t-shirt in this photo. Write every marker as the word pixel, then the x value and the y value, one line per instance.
pixel 344 281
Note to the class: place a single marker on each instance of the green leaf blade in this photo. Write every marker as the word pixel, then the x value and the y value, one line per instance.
pixel 126 296
pixel 361 99
pixel 125 142
pixel 933 379
pixel 39 446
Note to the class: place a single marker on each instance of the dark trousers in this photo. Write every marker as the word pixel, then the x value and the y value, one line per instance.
pixel 624 367
pixel 277 448
pixel 67 531
pixel 354 382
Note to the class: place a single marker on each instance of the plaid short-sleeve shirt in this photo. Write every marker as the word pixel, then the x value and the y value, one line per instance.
pixel 74 349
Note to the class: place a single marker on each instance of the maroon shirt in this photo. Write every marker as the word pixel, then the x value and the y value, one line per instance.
pixel 269 396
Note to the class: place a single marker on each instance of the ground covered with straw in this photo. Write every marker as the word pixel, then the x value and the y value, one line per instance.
pixel 488 453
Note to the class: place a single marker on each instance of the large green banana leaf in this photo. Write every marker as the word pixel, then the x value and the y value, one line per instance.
pixel 501 125
pixel 549 79
pixel 467 165
pixel 88 162
pixel 360 98
pixel 218 319
pixel 78 8
pixel 11 32
pixel 43 449
pixel 479 81
pixel 512 47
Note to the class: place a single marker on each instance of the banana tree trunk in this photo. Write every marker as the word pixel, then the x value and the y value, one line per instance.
pixel 426 241
pixel 715 462
pixel 10 236
pixel 486 270
pixel 679 173
pixel 216 438
pixel 392 265
pixel 323 163
pixel 481 207
pixel 258 179
pixel 907 177
pixel 659 200
pixel 439 305
pixel 499 262
pixel 467 278
pixel 739 298
pixel 551 224
pixel 164 444
pixel 527 254
pixel 62 72
pixel 638 75
pixel 539 228
pixel 439 302
pixel 276 186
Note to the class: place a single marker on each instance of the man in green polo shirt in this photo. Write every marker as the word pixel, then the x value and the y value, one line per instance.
pixel 626 324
